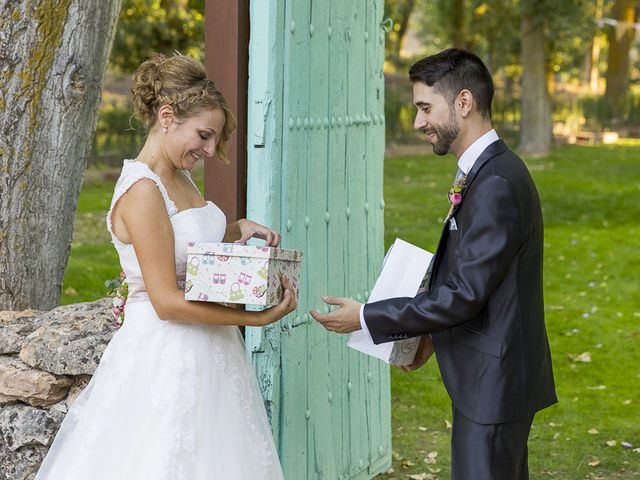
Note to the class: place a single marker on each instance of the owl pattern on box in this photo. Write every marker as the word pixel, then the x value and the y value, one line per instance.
pixel 230 273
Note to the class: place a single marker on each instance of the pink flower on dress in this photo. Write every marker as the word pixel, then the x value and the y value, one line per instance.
pixel 119 289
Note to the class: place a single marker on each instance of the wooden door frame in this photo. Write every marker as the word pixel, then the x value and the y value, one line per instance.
pixel 227 63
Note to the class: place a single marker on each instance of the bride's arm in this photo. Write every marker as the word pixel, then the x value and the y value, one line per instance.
pixel 144 214
pixel 244 229
pixel 232 233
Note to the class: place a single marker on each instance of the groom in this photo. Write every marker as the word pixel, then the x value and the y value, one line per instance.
pixel 482 310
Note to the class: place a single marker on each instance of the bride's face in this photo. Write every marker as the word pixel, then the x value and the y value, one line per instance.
pixel 190 139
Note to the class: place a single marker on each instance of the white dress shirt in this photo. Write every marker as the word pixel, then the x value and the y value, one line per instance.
pixel 471 154
pixel 465 163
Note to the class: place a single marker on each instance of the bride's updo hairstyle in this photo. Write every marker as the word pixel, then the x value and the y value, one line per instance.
pixel 181 82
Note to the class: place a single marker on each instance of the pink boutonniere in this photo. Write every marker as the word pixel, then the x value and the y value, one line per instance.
pixel 455 195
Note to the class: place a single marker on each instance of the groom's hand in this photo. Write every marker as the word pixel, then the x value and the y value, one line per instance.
pixel 345 319
pixel 424 353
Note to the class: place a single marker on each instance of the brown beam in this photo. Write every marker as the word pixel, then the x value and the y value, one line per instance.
pixel 227 62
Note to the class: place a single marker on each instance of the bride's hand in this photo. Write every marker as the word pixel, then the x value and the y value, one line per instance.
pixel 249 229
pixel 288 304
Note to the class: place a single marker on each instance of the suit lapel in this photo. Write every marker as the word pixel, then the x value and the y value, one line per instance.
pixel 496 148
pixel 438 256
pixel 491 151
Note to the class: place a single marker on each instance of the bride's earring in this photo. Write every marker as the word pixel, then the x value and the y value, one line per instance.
pixel 164 129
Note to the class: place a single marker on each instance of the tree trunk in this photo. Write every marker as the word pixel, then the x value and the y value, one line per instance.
pixel 401 19
pixel 593 58
pixel 535 120
pixel 406 10
pixel 53 55
pixel 458 34
pixel 620 41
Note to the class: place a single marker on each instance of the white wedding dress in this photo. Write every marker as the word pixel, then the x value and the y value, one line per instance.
pixel 169 400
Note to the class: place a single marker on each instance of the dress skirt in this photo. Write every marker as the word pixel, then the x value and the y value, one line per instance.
pixel 169 401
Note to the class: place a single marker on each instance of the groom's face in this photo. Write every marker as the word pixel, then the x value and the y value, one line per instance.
pixel 434 118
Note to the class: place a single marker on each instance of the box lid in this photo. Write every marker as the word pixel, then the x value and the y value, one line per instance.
pixel 237 250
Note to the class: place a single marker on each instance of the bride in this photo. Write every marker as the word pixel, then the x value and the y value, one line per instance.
pixel 174 396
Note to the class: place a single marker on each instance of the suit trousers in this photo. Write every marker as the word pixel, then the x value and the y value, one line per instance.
pixel 489 452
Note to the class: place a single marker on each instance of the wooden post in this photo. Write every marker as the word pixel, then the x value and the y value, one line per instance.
pixel 227 59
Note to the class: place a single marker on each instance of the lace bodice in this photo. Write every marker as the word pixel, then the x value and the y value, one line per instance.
pixel 207 224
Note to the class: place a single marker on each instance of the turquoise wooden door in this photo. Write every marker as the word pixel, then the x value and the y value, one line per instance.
pixel 316 146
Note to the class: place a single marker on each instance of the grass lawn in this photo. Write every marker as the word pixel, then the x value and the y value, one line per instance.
pixel 590 197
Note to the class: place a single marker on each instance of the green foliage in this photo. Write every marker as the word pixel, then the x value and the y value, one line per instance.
pixel 400 14
pixel 117 132
pixel 592 112
pixel 591 242
pixel 570 30
pixel 146 27
pixel 491 29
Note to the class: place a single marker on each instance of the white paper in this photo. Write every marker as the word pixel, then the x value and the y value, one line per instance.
pixel 402 272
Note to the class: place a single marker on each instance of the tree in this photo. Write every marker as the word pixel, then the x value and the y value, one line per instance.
pixel 570 30
pixel 535 120
pixel 146 27
pixel 493 32
pixel 54 55
pixel 489 28
pixel 620 40
pixel 400 13
pixel 457 34
pixel 593 59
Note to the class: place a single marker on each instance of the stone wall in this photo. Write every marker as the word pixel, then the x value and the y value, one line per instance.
pixel 46 359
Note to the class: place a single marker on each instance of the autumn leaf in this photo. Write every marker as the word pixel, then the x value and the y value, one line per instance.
pixel 594 463
pixel 593 431
pixel 406 464
pixel 584 357
pixel 421 476
pixel 432 457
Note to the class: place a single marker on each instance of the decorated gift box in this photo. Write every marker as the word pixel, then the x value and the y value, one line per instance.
pixel 232 273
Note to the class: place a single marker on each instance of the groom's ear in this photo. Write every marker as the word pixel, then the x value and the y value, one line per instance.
pixel 464 103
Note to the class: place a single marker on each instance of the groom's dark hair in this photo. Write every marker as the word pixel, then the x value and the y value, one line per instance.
pixel 452 71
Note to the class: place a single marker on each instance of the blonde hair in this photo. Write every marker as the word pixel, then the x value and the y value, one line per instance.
pixel 181 82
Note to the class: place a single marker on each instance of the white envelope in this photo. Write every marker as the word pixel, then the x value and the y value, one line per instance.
pixel 402 272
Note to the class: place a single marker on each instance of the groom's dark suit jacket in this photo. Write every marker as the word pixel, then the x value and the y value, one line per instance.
pixel 484 304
